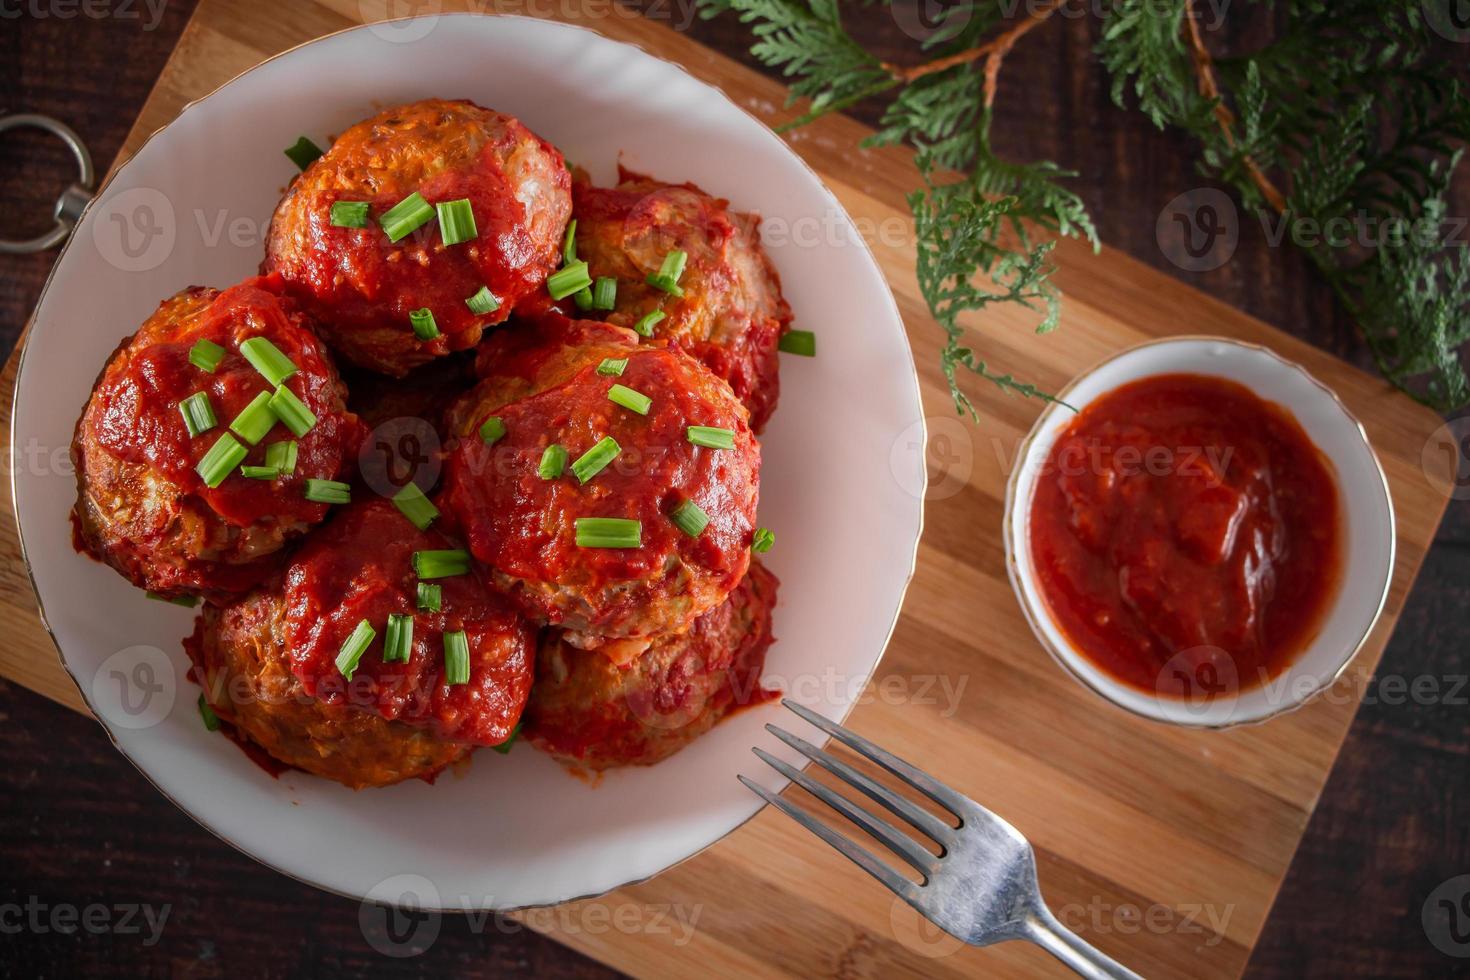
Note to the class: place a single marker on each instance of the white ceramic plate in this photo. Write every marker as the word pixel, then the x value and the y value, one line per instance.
pixel 192 207
pixel 1367 520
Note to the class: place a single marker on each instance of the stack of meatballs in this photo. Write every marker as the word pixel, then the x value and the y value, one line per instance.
pixel 575 564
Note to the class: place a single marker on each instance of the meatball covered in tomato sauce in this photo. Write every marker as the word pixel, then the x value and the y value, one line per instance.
pixel 239 655
pixel 591 712
pixel 729 312
pixel 363 285
pixel 622 413
pixel 169 395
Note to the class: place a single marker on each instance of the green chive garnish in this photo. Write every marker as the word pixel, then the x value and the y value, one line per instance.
pixel 441 564
pixel 415 506
pixel 356 645
pixel 456 658
pixel 504 747
pixel 594 460
pixel 583 298
pixel 211 720
pixel 198 413
pixel 648 321
pixel 569 244
pixel 422 321
pixel 605 293
pixel 457 222
pixel 690 519
pixel 711 437
pixel 259 472
pixel 255 419
pixel 328 492
pixel 430 597
pixel 350 214
pixel 406 217
pixel 492 430
pixel 221 460
pixel 483 302
pixel 267 358
pixel 282 456
pixel 764 538
pixel 303 152
pixel 187 601
pixel 568 279
pixel 802 342
pixel 673 265
pixel 398 639
pixel 633 401
pixel 206 355
pixel 553 462
pixel 608 532
pixel 292 411
pixel 612 367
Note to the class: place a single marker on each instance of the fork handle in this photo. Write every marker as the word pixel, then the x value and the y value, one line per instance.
pixel 1043 929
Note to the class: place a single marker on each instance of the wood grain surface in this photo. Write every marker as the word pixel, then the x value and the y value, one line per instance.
pixel 1103 796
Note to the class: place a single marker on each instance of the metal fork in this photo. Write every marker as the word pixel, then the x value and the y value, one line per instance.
pixel 980 888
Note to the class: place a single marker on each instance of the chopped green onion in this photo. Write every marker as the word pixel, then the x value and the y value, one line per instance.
pixel 398 639
pixel 406 217
pixel 198 413
pixel 605 293
pixel 456 658
pixel 221 460
pixel 457 222
pixel 350 214
pixel 424 326
pixel 583 298
pixel 648 321
pixel 206 355
pixel 664 283
pixel 292 411
pixel 255 419
pixel 569 244
pixel 187 601
pixel 267 358
pixel 441 564
pixel 609 532
pixel 711 437
pixel 673 265
pixel 483 302
pixel 415 506
pixel 355 646
pixel 594 460
pixel 764 538
pixel 430 597
pixel 492 430
pixel 303 152
pixel 328 492
pixel 504 747
pixel 211 720
pixel 802 342
pixel 690 519
pixel 553 462
pixel 612 367
pixel 282 456
pixel 568 279
pixel 633 401
pixel 259 472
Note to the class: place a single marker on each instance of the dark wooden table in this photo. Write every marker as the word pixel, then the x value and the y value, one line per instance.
pixel 79 827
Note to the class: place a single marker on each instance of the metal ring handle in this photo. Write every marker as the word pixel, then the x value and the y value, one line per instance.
pixel 73 200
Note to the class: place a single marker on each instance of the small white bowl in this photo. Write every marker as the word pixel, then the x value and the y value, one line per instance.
pixel 1367 521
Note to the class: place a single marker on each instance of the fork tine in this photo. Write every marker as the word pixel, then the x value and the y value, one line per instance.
pixel 922 819
pixel 859 856
pixel 924 783
pixel 898 842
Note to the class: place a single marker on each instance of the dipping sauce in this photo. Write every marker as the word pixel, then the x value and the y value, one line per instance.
pixel 1184 525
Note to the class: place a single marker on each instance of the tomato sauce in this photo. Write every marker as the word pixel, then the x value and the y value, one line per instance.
pixel 1180 521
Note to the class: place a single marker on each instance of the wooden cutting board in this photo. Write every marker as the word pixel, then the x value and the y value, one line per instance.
pixel 1164 847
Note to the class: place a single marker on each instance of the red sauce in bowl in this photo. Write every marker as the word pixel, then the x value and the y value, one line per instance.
pixel 1182 524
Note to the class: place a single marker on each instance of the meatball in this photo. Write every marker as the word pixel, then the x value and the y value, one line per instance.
pixel 731 314
pixel 361 568
pixel 524 527
pixel 142 505
pixel 239 655
pixel 363 286
pixel 591 712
